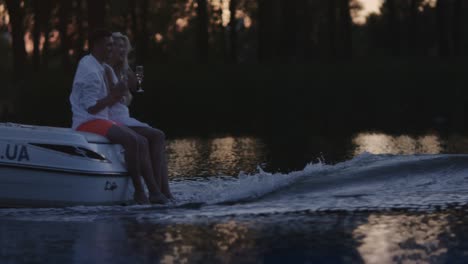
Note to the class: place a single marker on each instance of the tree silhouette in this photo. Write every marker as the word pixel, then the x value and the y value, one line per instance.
pixel 143 38
pixel 264 29
pixel 340 29
pixel 413 27
pixel 65 9
pixel 457 36
pixel 289 30
pixel 17 31
pixel 332 17
pixel 393 34
pixel 134 24
pixel 42 19
pixel 233 31
pixel 346 27
pixel 202 23
pixel 80 30
pixel 47 30
pixel 139 26
pixel 442 26
pixel 96 14
pixel 37 34
pixel 303 30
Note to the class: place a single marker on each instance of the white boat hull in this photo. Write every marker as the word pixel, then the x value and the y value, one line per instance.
pixel 32 188
pixel 54 167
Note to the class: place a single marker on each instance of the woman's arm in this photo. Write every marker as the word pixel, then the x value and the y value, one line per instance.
pixel 108 78
pixel 132 80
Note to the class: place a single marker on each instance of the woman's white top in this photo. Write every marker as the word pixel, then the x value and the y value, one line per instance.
pixel 119 111
pixel 89 86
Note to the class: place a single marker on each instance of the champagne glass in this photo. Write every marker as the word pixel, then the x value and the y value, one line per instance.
pixel 139 75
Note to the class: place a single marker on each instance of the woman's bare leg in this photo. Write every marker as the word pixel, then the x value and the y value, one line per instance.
pixel 138 162
pixel 148 172
pixel 157 145
pixel 165 178
pixel 126 138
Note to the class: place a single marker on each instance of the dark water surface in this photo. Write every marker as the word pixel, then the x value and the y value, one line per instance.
pixel 367 198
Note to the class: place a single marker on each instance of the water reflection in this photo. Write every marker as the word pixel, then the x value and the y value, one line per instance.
pixel 325 237
pixel 456 144
pixel 217 156
pixel 397 238
pixel 222 151
pixel 184 155
pixel 178 253
pixel 230 233
pixel 221 242
pixel 378 143
pixel 193 157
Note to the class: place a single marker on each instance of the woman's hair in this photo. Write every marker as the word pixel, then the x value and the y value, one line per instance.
pixel 128 47
pixel 125 66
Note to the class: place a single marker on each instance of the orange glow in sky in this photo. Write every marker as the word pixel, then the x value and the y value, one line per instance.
pixel 368 7
pixel 373 6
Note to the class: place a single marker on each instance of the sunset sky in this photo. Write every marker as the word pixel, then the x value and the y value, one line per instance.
pixel 369 6
pixel 373 6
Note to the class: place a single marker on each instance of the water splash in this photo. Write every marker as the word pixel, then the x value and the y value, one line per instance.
pixel 367 182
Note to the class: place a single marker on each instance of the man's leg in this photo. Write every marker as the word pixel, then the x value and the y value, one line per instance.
pixel 157 147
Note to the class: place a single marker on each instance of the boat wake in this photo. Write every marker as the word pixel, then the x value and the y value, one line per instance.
pixel 367 182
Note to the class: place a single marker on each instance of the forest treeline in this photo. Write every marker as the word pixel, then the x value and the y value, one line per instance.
pixel 223 64
pixel 234 31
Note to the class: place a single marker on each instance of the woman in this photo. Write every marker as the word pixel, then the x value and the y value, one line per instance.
pixel 119 112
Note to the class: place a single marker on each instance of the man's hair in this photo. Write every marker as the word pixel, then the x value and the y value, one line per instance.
pixel 97 35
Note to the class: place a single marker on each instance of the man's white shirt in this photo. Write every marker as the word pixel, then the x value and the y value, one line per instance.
pixel 89 86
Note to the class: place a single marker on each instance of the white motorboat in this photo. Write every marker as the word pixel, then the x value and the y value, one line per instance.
pixel 52 167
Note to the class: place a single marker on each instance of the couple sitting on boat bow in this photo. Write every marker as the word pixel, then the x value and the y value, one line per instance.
pixel 99 101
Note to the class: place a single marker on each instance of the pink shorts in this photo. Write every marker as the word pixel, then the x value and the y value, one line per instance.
pixel 98 126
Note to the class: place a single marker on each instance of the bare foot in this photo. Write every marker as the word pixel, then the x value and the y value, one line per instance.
pixel 140 198
pixel 157 198
pixel 169 196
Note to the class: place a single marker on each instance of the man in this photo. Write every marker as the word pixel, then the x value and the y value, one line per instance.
pixel 90 101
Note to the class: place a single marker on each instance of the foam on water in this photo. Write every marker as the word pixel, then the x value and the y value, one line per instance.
pixel 376 182
pixel 244 187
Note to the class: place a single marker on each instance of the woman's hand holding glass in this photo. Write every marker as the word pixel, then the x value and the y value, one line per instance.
pixel 139 73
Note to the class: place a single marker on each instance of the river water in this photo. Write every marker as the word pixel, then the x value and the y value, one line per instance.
pixel 366 198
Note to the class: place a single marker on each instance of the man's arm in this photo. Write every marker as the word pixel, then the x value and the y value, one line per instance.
pixel 114 95
pixel 90 95
pixel 102 103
